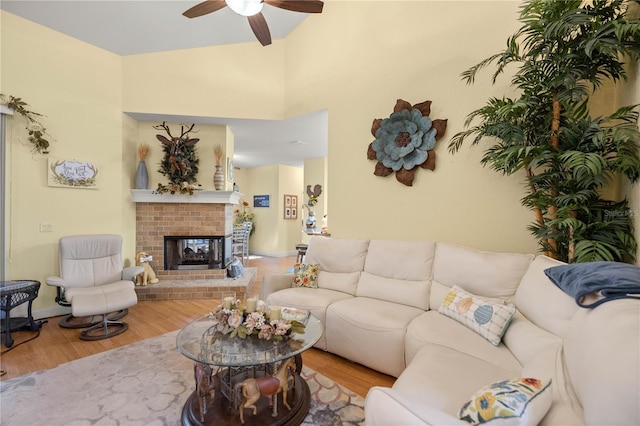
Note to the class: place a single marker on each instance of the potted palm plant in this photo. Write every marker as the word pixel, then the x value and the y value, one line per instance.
pixel 565 51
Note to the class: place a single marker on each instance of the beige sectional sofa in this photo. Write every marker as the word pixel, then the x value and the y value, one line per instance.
pixel 379 303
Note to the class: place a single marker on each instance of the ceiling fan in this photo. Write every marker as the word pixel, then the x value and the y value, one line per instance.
pixel 252 9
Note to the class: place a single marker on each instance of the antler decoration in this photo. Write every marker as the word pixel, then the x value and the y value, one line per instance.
pixel 405 141
pixel 313 195
pixel 176 143
pixel 180 162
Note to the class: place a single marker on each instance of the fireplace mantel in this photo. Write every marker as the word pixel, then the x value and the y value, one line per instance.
pixel 213 197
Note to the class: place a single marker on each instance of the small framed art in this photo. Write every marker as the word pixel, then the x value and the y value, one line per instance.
pixel 290 206
pixel 230 169
pixel 72 174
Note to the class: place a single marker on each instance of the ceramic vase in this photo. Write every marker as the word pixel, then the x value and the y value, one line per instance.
pixel 218 179
pixel 142 176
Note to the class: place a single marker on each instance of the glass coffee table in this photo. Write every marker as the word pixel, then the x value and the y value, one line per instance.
pixel 224 367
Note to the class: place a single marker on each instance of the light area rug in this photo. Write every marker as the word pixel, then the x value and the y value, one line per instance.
pixel 145 383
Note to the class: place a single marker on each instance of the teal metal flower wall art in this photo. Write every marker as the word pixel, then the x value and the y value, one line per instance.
pixel 405 141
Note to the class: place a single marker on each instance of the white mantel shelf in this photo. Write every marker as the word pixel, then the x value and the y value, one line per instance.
pixel 211 197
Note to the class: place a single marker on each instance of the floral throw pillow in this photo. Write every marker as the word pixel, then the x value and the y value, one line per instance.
pixel 305 275
pixel 523 401
pixel 487 318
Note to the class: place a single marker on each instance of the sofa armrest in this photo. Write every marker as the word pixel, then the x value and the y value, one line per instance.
pixel 274 282
pixel 131 272
pixel 386 407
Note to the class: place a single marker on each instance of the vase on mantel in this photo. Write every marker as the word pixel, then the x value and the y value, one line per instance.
pixel 142 176
pixel 218 179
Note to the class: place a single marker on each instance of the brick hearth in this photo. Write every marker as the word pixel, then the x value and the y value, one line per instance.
pixel 200 289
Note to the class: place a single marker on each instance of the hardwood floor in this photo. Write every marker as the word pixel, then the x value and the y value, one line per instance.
pixel 56 345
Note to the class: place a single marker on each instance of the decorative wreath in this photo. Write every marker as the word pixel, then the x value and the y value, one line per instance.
pixel 405 141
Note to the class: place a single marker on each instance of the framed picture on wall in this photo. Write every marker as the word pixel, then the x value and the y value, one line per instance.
pixel 72 174
pixel 261 200
pixel 290 209
pixel 229 169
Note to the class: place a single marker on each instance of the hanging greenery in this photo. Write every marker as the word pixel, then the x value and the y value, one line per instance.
pixel 34 127
pixel 180 161
pixel 565 51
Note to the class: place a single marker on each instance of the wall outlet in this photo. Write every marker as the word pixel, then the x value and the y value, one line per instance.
pixel 46 227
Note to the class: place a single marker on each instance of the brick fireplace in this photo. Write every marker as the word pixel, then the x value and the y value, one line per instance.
pixel 204 213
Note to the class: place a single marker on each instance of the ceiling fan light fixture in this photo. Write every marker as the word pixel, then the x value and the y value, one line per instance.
pixel 245 7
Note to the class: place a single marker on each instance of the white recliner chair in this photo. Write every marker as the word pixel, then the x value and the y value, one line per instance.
pixel 94 283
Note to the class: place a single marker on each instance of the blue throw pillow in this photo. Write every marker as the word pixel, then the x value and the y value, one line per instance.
pixel 609 280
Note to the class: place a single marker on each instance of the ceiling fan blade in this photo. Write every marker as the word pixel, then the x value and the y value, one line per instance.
pixel 304 6
pixel 260 28
pixel 205 7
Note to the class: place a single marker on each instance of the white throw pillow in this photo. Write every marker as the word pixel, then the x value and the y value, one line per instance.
pixel 523 401
pixel 487 318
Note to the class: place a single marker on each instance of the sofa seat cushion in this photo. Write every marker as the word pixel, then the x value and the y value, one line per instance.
pixel 370 332
pixel 315 300
pixel 385 406
pixel 444 378
pixel 434 328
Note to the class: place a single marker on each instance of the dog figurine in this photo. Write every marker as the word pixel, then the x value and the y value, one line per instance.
pixel 148 276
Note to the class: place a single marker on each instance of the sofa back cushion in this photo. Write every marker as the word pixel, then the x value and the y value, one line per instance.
pixel 340 262
pixel 398 271
pixel 602 354
pixel 541 301
pixel 486 274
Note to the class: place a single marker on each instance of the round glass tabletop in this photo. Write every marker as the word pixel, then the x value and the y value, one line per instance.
pixel 200 342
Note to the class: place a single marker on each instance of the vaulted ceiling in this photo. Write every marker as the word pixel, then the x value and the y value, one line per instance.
pixel 133 27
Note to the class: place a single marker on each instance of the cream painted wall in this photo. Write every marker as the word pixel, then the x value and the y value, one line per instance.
pixel 241 178
pixel 78 89
pixel 241 81
pixel 356 61
pixel 209 135
pixel 274 236
pixel 129 165
pixel 264 181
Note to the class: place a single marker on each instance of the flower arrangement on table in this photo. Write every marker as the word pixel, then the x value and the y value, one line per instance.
pixel 244 216
pixel 259 320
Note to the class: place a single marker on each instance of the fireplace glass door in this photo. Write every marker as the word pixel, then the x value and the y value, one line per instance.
pixel 194 252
